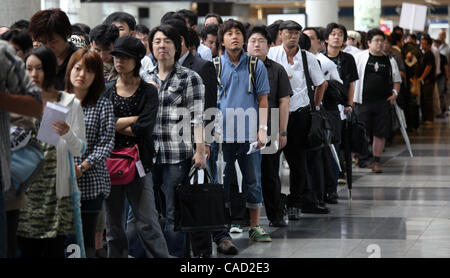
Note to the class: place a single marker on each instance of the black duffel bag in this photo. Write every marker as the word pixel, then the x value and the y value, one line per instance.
pixel 200 207
pixel 320 133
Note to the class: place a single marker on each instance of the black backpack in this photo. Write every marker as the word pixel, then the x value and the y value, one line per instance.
pixel 252 63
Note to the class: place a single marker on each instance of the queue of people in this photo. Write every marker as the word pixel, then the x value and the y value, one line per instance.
pixel 127 88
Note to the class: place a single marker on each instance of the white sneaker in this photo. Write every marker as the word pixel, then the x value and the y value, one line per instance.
pixel 236 229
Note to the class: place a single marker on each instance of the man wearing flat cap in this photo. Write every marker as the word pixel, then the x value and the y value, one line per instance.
pixel 289 55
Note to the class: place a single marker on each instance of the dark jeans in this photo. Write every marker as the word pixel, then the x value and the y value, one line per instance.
pixel 426 102
pixel 316 172
pixel 12 220
pixel 301 193
pixel 166 177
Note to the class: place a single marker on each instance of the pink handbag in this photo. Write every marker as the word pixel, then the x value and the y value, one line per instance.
pixel 122 165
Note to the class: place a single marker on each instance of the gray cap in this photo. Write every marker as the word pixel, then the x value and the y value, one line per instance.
pixel 290 24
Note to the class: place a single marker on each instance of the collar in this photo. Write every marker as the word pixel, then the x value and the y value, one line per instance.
pixel 183 58
pixel 66 98
pixel 242 58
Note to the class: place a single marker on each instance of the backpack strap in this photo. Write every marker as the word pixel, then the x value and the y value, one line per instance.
pixel 218 66
pixel 309 82
pixel 252 63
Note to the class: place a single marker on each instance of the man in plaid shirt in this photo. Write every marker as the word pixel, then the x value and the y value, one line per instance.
pixel 18 94
pixel 180 90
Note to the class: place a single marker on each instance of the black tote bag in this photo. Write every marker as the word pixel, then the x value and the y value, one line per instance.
pixel 200 207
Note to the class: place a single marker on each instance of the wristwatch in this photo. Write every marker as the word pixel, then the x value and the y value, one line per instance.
pixel 283 133
pixel 82 169
pixel 395 92
pixel 263 127
pixel 317 108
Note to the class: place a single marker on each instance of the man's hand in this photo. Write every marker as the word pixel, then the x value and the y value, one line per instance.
pixel 262 138
pixel 282 141
pixel 199 159
pixel 392 98
pixel 61 128
pixel 78 172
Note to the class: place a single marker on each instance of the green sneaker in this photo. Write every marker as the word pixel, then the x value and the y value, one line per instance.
pixel 236 229
pixel 258 234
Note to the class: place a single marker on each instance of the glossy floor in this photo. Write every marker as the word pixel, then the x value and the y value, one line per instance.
pixel 404 212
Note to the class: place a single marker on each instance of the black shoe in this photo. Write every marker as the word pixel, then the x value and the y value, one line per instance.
pixel 316 210
pixel 331 198
pixel 293 213
pixel 278 223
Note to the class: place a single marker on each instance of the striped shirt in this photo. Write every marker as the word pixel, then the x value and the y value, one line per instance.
pixel 183 88
pixel 13 80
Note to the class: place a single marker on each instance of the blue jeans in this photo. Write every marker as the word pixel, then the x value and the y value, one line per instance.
pixel 211 164
pixel 166 177
pixel 141 198
pixel 3 238
pixel 250 166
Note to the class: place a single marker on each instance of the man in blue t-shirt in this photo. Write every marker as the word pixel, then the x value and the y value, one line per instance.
pixel 243 104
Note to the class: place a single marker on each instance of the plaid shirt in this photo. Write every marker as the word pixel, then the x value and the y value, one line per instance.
pixel 100 129
pixel 183 88
pixel 13 80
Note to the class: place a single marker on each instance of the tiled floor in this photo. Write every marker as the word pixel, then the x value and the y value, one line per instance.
pixel 404 212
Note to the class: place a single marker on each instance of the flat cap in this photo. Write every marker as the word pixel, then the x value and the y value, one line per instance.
pixel 290 24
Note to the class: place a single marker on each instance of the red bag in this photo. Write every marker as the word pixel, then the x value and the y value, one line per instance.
pixel 122 165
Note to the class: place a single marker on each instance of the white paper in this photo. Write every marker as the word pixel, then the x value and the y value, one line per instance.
pixel 53 112
pixel 200 179
pixel 341 110
pixel 253 147
pixel 140 169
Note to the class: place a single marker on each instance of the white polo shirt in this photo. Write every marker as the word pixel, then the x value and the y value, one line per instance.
pixel 329 68
pixel 296 75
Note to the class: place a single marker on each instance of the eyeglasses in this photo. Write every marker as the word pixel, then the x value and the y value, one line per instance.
pixel 159 42
pixel 377 40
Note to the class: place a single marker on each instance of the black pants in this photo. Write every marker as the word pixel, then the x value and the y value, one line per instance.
pixel 301 193
pixel 271 185
pixel 426 102
pixel 89 220
pixel 12 221
pixel 315 168
pixel 42 248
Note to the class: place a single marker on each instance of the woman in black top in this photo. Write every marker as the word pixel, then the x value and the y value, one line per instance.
pixel 135 105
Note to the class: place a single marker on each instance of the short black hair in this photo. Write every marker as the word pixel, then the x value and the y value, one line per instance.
pixel 395 38
pixel 141 28
pixel 318 34
pixel 375 32
pixel 20 24
pixel 85 28
pixel 121 17
pixel 21 38
pixel 218 17
pixel 46 22
pixel 49 65
pixel 104 35
pixel 413 36
pixel 427 38
pixel 332 26
pixel 398 28
pixel 272 30
pixel 211 29
pixel 193 39
pixel 171 33
pixel 190 15
pixel 304 42
pixel 259 29
pixel 228 25
pixel 181 27
pixel 77 31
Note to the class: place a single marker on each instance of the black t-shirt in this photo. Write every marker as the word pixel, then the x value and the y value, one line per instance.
pixel 346 68
pixel 428 59
pixel 60 83
pixel 377 79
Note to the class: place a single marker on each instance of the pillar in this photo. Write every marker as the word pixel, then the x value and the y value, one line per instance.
pixel 321 12
pixel 14 10
pixel 367 14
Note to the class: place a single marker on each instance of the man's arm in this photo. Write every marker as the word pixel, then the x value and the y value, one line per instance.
pixel 284 117
pixel 320 91
pixel 25 105
pixel 263 105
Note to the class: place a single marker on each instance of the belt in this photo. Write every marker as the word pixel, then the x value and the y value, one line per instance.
pixel 306 108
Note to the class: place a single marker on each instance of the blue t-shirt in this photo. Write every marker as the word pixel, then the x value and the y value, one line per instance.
pixel 238 101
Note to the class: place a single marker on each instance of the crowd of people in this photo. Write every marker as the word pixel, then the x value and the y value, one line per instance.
pixel 125 87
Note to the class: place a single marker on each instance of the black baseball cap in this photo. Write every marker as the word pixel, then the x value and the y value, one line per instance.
pixel 290 25
pixel 129 46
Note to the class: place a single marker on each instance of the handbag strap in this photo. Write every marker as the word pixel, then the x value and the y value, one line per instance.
pixel 194 171
pixel 309 83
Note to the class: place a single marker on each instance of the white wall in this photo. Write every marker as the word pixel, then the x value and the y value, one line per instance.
pixel 14 10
